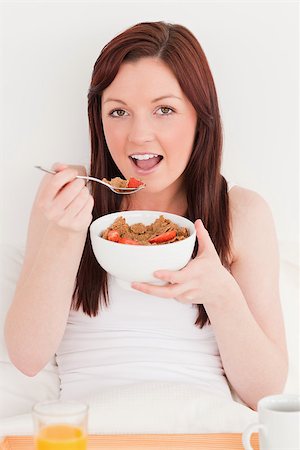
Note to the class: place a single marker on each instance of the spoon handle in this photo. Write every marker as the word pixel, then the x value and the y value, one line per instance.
pixel 45 170
pixel 83 177
pixel 124 190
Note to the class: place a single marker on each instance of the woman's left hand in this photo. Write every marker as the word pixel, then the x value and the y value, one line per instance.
pixel 203 280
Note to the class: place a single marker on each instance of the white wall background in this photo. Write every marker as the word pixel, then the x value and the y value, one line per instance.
pixel 48 52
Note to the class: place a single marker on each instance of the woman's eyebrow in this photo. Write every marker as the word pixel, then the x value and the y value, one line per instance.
pixel 115 100
pixel 153 101
pixel 165 96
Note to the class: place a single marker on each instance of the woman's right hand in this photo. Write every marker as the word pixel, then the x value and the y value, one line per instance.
pixel 64 200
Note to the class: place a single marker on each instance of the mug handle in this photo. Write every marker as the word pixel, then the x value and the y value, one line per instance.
pixel 247 434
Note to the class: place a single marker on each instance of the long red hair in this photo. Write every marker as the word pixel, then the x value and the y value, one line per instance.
pixel 206 188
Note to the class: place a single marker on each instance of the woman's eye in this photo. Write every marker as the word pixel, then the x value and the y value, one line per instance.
pixel 165 111
pixel 118 113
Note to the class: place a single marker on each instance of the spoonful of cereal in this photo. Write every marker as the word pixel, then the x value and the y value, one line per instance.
pixel 117 185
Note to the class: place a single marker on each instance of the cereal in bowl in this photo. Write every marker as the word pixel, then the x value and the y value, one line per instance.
pixel 161 231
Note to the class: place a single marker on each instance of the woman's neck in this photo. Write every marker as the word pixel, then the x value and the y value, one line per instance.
pixel 171 200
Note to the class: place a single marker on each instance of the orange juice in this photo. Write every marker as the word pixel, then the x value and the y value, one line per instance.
pixel 61 437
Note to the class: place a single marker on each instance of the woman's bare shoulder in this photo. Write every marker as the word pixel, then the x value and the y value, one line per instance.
pixel 241 199
pixel 251 218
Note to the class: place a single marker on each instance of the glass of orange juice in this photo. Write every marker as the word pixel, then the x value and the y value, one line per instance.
pixel 60 425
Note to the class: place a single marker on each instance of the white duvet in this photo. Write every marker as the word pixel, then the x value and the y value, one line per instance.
pixel 153 408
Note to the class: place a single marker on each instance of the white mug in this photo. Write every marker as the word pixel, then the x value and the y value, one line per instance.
pixel 278 423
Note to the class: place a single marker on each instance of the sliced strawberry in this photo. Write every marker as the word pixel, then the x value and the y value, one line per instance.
pixel 128 241
pixel 113 235
pixel 134 183
pixel 164 237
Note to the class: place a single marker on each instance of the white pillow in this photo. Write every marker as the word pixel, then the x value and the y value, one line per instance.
pixel 19 392
pixel 289 290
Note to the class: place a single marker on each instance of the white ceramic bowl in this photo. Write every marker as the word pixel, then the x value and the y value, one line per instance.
pixel 130 263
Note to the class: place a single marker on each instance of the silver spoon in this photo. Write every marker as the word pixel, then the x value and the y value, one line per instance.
pixel 119 190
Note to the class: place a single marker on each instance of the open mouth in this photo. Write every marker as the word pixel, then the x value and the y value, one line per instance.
pixel 146 161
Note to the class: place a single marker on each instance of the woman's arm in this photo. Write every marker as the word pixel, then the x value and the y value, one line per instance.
pixel 249 324
pixel 244 306
pixel 58 225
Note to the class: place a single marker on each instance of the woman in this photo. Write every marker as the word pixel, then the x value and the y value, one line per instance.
pixel 153 114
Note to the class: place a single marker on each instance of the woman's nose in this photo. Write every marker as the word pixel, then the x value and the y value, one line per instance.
pixel 140 132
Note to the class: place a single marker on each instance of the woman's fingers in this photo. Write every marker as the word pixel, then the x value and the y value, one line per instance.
pixel 184 293
pixel 171 276
pixel 66 196
pixel 65 200
pixel 78 214
pixel 183 285
pixel 81 170
pixel 193 283
pixel 166 291
pixel 53 184
pixel 84 217
pixel 77 204
pixel 189 297
pixel 58 167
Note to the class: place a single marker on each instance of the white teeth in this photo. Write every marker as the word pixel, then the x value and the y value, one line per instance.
pixel 142 157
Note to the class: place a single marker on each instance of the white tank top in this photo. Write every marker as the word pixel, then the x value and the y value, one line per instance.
pixel 137 338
